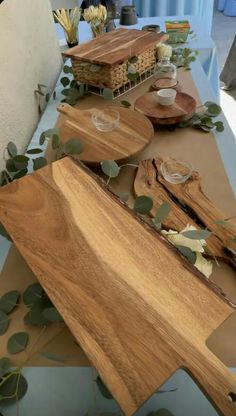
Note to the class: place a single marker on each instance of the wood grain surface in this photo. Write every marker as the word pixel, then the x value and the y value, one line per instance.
pixel 189 205
pixel 130 138
pixel 136 307
pixel 116 46
pixel 183 108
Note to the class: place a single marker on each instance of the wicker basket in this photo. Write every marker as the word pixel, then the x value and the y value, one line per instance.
pixel 104 62
pixel 112 77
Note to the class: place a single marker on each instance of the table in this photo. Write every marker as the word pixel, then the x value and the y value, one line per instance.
pixel 228 7
pixel 60 391
pixel 203 43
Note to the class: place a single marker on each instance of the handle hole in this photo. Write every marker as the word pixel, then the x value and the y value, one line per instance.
pixel 232 397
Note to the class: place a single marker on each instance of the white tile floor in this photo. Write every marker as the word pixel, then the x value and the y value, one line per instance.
pixel 223 32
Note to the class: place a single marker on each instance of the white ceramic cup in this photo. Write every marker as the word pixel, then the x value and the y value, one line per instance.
pixel 166 96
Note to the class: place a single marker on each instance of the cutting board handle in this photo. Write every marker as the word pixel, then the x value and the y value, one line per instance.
pixel 71 112
pixel 216 381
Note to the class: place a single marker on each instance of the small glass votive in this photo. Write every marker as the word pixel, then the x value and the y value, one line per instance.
pixel 106 119
pixel 176 171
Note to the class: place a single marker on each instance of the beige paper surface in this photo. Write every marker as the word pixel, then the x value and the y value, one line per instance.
pixel 195 146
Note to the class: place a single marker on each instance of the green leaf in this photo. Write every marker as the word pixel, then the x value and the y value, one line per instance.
pixel 67 69
pixel 17 342
pixel 133 60
pixel 32 294
pixel 156 223
pixel 161 412
pixel 65 81
pixel 13 389
pixel 9 301
pixel 73 83
pixel 47 97
pixel 55 141
pixel 53 357
pixel 54 95
pixel 20 174
pixel 4 323
pixel 20 162
pixel 39 163
pixel 132 77
pixel 212 109
pixel 4 233
pixel 124 196
pixel 219 126
pixel 35 315
pixel 107 94
pixel 95 68
pixel 5 364
pixel 10 166
pixel 125 103
pixel 103 389
pixel 34 151
pixel 162 212
pixel 110 168
pixel 12 149
pixel 50 132
pixel 197 234
pixel 188 253
pixel 223 223
pixel 143 204
pixel 52 315
pixel 73 147
pixel 42 139
pixel 74 94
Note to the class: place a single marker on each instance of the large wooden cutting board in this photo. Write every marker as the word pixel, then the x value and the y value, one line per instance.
pixel 136 307
pixel 133 134
pixel 116 47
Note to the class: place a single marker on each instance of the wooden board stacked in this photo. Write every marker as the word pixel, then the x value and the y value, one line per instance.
pixel 136 307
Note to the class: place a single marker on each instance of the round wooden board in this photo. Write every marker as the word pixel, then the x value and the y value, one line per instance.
pixel 183 108
pixel 130 138
pixel 166 83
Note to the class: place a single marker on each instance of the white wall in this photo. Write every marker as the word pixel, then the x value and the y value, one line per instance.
pixel 29 54
pixel 57 4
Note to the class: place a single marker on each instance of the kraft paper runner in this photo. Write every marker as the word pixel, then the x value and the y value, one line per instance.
pixel 195 146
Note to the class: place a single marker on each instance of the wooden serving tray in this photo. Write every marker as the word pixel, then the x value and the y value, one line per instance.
pixel 130 138
pixel 115 47
pixel 161 83
pixel 189 205
pixel 183 108
pixel 137 308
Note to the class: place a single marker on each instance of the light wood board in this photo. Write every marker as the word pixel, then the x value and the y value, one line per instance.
pixel 133 134
pixel 116 46
pixel 136 307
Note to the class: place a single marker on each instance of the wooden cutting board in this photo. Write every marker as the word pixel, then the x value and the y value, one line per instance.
pixel 183 108
pixel 137 308
pixel 116 46
pixel 130 138
pixel 189 205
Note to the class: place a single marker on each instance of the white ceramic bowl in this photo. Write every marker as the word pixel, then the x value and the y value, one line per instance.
pixel 166 96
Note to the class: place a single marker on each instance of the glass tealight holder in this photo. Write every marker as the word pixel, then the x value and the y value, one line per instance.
pixel 166 69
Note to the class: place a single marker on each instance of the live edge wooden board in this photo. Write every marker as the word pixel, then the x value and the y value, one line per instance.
pixel 137 308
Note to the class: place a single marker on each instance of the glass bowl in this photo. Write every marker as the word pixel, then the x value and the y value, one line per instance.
pixel 176 171
pixel 105 119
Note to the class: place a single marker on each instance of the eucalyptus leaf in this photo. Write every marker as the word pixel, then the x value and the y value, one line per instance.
pixel 110 168
pixel 20 174
pixel 133 77
pixel 213 109
pixel 50 132
pixel 197 234
pixel 66 92
pixel 34 151
pixel 4 323
pixel 188 253
pixel 35 315
pixel 17 342
pixel 65 81
pixel 162 212
pixel 55 141
pixel 143 204
pixel 42 139
pixel 4 233
pixel 10 166
pixel 124 196
pixel 53 357
pixel 219 126
pixel 52 315
pixel 67 69
pixel 223 223
pixel 133 60
pixel 32 294
pixel 13 389
pixel 73 147
pixel 103 389
pixel 39 163
pixel 54 95
pixel 95 68
pixel 47 97
pixel 125 103
pixel 20 161
pixel 12 149
pixel 9 301
pixel 5 364
pixel 156 223
pixel 107 94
